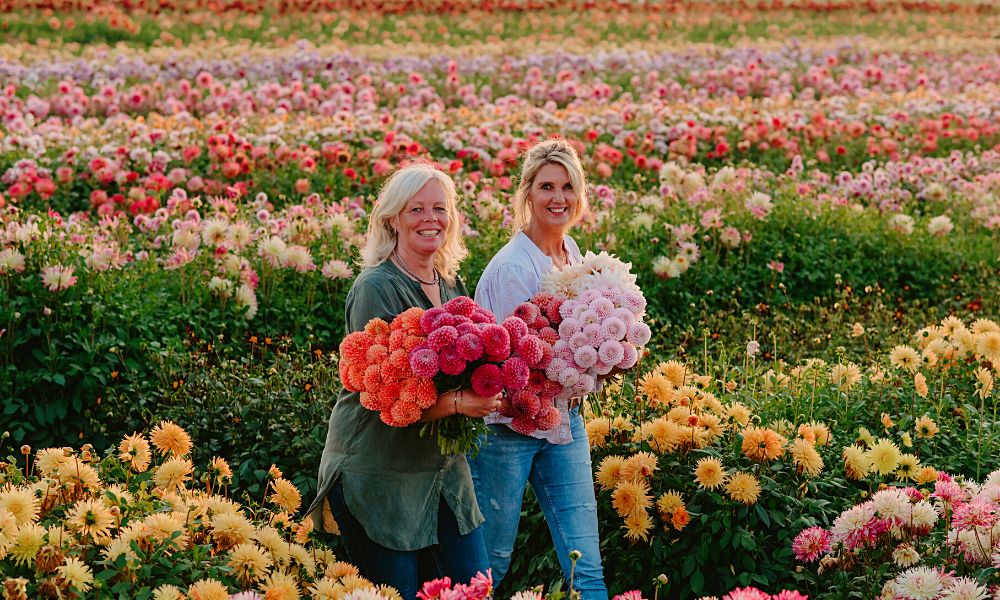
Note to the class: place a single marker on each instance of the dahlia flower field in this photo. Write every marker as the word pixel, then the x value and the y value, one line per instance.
pixel 808 193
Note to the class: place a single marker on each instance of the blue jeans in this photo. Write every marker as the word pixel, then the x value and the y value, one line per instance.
pixel 455 555
pixel 563 481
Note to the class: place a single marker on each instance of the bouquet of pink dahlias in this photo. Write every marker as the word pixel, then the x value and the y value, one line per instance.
pixel 465 347
pixel 601 329
pixel 530 401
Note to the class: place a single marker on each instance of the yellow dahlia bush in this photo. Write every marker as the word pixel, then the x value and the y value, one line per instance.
pixel 697 457
pixel 144 522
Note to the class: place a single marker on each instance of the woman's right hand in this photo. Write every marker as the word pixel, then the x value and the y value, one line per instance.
pixel 471 404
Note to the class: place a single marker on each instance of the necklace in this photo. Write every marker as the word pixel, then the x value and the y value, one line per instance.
pixel 402 265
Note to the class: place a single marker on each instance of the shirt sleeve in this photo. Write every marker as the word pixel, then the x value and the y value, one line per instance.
pixel 506 287
pixel 371 298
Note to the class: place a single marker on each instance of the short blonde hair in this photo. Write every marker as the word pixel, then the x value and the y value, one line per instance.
pixel 553 151
pixel 397 191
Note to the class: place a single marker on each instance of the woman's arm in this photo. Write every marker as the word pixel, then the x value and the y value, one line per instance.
pixel 462 402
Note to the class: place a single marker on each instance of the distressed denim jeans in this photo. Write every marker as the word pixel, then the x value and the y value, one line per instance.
pixel 563 481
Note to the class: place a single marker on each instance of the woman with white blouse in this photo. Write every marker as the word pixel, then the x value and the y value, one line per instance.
pixel 550 198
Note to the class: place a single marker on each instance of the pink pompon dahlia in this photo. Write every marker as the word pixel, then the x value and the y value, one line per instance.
pixel 515 373
pixel 526 403
pixel 487 380
pixel 602 306
pixel 516 327
pixel 496 341
pixel 569 327
pixel 527 312
pixel 629 595
pixel 451 363
pixel 810 543
pixel 424 362
pixel 469 346
pixel 482 315
pixel 585 357
pixel 552 312
pixel 631 357
pixel 633 301
pixel 611 352
pixel 531 349
pixel 462 305
pixel 430 315
pixel 638 334
pixel 547 418
pixel 442 337
pixel 613 328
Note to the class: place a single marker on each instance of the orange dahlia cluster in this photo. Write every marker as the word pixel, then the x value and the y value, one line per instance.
pixel 375 362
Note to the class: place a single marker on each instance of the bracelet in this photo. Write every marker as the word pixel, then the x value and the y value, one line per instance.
pixel 457 395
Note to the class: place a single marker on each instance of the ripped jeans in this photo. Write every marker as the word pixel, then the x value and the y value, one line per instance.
pixel 563 481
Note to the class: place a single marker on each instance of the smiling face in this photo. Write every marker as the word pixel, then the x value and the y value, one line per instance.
pixel 552 199
pixel 423 222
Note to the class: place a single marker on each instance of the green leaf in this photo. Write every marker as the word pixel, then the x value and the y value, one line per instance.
pixel 697 582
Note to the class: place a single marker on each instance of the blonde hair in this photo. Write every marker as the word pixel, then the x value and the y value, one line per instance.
pixel 553 151
pixel 397 191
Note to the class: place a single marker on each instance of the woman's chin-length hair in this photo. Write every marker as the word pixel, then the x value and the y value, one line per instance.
pixel 396 192
pixel 552 151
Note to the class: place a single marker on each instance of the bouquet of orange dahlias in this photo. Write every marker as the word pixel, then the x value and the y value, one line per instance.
pixel 376 362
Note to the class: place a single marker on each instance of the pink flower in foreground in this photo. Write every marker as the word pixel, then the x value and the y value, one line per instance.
pixel 747 593
pixel 481 586
pixel 434 588
pixel 629 595
pixel 789 595
pixel 776 266
pixel 58 278
pixel 810 544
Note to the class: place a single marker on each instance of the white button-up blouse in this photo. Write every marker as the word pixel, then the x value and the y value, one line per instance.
pixel 513 276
